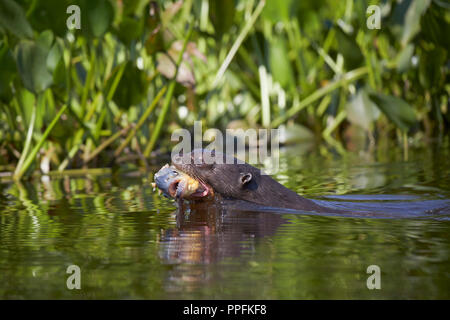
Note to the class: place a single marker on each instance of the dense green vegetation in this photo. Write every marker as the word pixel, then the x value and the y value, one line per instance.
pixel 136 70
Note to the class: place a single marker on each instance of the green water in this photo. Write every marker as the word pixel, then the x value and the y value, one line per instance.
pixel 130 243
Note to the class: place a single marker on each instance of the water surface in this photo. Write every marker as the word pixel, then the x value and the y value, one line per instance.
pixel 131 243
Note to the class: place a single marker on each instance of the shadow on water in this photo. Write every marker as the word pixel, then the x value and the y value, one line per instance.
pixel 129 242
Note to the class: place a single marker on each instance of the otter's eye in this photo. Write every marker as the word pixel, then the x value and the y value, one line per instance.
pixel 245 178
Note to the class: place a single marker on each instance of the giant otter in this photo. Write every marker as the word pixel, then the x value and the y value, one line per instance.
pixel 206 175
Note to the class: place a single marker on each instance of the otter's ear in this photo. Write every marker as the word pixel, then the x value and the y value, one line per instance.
pixel 245 177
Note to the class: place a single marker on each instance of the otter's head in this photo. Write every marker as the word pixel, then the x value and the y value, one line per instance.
pixel 178 185
pixel 224 174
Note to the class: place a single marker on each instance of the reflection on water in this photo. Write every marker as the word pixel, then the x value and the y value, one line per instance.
pixel 206 234
pixel 131 243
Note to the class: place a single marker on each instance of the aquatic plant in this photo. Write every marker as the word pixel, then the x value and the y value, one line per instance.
pixel 112 91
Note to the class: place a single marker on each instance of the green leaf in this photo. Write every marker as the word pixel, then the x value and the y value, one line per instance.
pixel 277 11
pixel 411 24
pixel 435 26
pixel 221 15
pixel 396 109
pixel 431 70
pixel 99 16
pixel 45 39
pixel 127 95
pixel 31 60
pixel 130 29
pixel 13 19
pixel 295 133
pixel 406 18
pixel 54 57
pixel 50 15
pixel 27 102
pixel 347 45
pixel 404 58
pixel 280 65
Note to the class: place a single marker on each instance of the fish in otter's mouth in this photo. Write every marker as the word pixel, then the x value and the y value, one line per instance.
pixel 178 185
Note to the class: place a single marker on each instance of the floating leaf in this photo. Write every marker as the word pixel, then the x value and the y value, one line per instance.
pixel 396 109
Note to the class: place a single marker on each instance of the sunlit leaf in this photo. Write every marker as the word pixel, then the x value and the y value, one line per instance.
pixel 295 133
pixel 406 18
pixel 280 65
pixel 404 58
pixel 45 39
pixel 277 11
pixel 411 25
pixel 166 64
pixel 54 56
pixel 27 101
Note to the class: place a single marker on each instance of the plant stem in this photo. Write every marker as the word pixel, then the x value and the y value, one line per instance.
pixel 106 143
pixel 30 158
pixel 238 43
pixel 26 148
pixel 347 77
pixel 165 108
pixel 141 121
